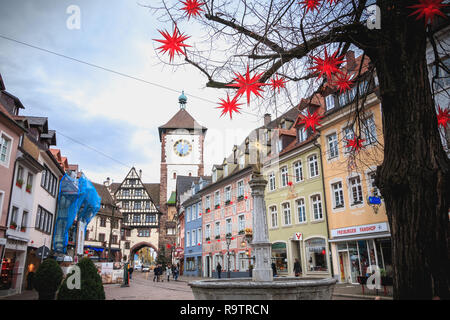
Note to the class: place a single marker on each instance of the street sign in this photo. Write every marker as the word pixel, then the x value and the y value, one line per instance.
pixel 42 252
pixel 374 200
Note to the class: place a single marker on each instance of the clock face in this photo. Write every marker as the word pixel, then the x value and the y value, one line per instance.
pixel 182 148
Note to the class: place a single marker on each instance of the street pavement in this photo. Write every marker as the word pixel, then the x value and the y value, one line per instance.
pixel 142 287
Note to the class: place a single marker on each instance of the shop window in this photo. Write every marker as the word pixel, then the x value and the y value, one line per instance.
pixel 316 254
pixel 279 256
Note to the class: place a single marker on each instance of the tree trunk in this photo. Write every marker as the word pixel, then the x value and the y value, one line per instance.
pixel 414 176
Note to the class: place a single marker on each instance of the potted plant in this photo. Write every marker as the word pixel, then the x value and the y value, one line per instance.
pixel 218 237
pixel 217 206
pixel 240 198
pixel 228 235
pixel 13 225
pixel 208 210
pixel 22 229
pixel 241 231
pixel 19 183
pixel 28 188
pixel 207 238
pixel 47 279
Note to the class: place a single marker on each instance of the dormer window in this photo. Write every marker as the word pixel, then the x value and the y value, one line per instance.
pixel 214 176
pixel 241 161
pixel 329 100
pixel 225 170
pixel 279 145
pixel 302 134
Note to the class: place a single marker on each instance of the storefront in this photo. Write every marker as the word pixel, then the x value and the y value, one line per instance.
pixel 12 267
pixel 352 255
pixel 279 257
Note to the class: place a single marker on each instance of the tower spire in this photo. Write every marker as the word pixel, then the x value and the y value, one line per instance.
pixel 182 100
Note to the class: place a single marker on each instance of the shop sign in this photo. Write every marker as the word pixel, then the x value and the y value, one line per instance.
pixel 298 236
pixel 368 228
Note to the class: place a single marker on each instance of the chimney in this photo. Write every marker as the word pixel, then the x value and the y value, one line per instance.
pixel 351 62
pixel 107 182
pixel 267 119
pixel 140 174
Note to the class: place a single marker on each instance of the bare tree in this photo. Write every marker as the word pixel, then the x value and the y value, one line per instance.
pixel 279 37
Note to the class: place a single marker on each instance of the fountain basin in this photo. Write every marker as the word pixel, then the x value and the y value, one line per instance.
pixel 285 288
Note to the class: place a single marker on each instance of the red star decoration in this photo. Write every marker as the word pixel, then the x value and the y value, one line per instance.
pixel 229 106
pixel 355 143
pixel 343 82
pixel 168 246
pixel 290 183
pixel 277 83
pixel 247 85
pixel 311 120
pixel 443 117
pixel 328 65
pixel 173 43
pixel 310 5
pixel 428 9
pixel 192 7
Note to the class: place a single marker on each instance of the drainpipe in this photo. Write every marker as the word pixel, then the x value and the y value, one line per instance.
pixel 325 202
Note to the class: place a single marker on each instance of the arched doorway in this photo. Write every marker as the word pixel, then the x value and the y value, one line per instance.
pixel 138 246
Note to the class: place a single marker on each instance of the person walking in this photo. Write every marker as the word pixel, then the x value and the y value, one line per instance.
pixel 130 270
pixel 297 268
pixel 155 273
pixel 219 269
pixel 274 269
pixel 175 272
pixel 168 272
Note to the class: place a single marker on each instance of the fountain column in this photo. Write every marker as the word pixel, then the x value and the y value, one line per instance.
pixel 261 246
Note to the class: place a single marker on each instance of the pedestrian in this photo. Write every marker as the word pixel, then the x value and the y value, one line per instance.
pixel 297 268
pixel 274 269
pixel 219 269
pixel 130 271
pixel 155 273
pixel 173 271
pixel 168 272
pixel 176 271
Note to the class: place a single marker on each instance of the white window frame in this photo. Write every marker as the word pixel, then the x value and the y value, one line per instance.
pixel 302 134
pixel 351 186
pixel 228 193
pixel 298 166
pixel 208 231
pixel 315 163
pixel 10 139
pixel 369 130
pixel 297 206
pixel 319 205
pixel 216 229
pixel 335 192
pixel 332 145
pixel 217 198
pixel 330 102
pixel 240 188
pixel 284 211
pixel 194 238
pixel 241 222
pixel 272 181
pixel 272 214
pixel 284 176
pixel 188 239
pixel 228 226
pixel 208 202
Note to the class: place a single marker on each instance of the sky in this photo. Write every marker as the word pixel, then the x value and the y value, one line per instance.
pixel 106 122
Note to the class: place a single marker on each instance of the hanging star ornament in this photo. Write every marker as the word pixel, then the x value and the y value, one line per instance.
pixel 428 9
pixel 192 7
pixel 229 106
pixel 172 44
pixel 443 117
pixel 343 82
pixel 277 83
pixel 311 120
pixel 247 85
pixel 355 143
pixel 329 65
pixel 310 5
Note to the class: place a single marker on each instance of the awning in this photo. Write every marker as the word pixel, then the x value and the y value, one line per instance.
pixel 370 236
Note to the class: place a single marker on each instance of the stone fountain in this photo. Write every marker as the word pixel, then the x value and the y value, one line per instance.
pixel 262 286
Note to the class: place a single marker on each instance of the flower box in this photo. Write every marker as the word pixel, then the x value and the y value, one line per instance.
pixel 13 226
pixel 208 210
pixel 217 237
pixel 240 198
pixel 227 202
pixel 217 206
pixel 19 183
pixel 22 229
pixel 207 238
pixel 28 188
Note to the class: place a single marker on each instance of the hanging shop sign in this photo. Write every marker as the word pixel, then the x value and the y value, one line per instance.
pixel 364 229
pixel 298 236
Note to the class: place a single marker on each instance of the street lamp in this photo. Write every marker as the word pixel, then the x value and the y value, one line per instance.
pixel 228 238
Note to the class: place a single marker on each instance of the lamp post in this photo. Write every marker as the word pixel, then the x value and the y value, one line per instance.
pixel 228 238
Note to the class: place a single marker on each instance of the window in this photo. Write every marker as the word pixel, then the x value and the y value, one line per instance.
pixel 214 176
pixel 228 226
pixel 286 213
pixel 316 254
pixel 302 134
pixel 332 146
pixel 188 239
pixel 217 198
pixel 127 245
pixel 194 238
pixel 174 175
pixel 101 237
pixel 329 101
pixel 356 190
pixel 102 222
pixel 194 212
pixel 126 205
pixel 363 86
pixel 137 205
pixel 298 171
pixel 228 193
pixel 241 161
pixel 338 195
pixel 138 192
pixel 369 131
pixel 343 99
pixel 272 181
pixel 49 181
pixel 273 216
pixel 137 218
pixel 171 231
pixel 217 229
pixel 241 222
pixel 147 205
pixel 374 191
pixel 114 239
pixel 225 170
pixel 208 231
pixel 126 193
pixel 14 214
pixel 301 210
pixel 349 135
pixel 208 202
pixel 313 166
pixel 44 220
pixel 150 218
pixel 199 236
pixel 443 77
pixel 240 187
pixel 317 207
pixel 284 177
pixel 29 182
pixel 19 178
pixel 279 145
pixel 5 144
pixel 188 215
pixel 352 93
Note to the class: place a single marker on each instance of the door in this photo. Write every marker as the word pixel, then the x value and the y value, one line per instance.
pixel 199 264
pixel 343 266
pixel 295 245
